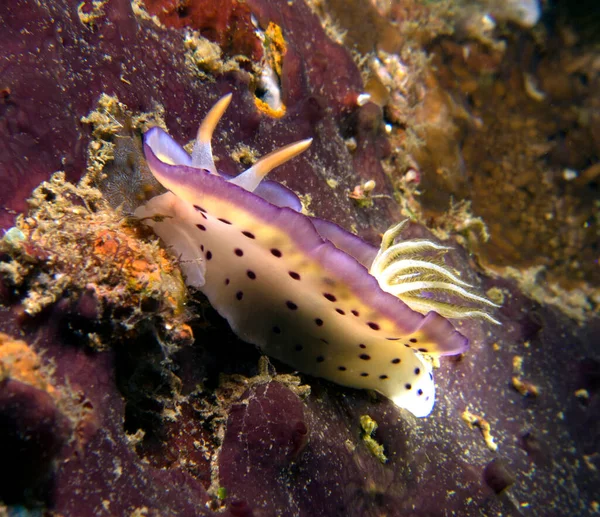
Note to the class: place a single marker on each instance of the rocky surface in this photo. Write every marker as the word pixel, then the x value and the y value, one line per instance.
pixel 142 421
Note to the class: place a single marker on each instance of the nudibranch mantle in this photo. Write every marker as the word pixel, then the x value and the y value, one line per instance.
pixel 297 287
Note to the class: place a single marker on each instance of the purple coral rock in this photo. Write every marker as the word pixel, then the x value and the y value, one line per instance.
pixel 32 432
pixel 100 464
pixel 266 433
pixel 498 475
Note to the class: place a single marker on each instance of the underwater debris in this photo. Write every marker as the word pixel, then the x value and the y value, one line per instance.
pixel 111 122
pixel 497 295
pixel 532 89
pixel 590 461
pixel 18 361
pixel 362 194
pixel 517 363
pixel 369 426
pixel 389 82
pixel 525 388
pixel 583 395
pixel 244 155
pixel 90 15
pixel 138 9
pixel 459 221
pixel 474 420
pixel 205 58
pixel 115 160
pixel 76 248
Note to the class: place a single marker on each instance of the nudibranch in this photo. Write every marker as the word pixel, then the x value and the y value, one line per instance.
pixel 302 289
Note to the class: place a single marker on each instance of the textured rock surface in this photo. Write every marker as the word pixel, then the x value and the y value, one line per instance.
pixel 257 447
pixel 143 65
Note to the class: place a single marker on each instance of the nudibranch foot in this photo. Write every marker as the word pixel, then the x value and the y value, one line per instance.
pixel 297 287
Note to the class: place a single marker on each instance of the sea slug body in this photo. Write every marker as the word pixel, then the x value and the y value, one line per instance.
pixel 297 287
